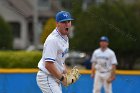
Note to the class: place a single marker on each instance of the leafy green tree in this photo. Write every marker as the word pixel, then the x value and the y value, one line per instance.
pixel 48 28
pixel 6 36
pixel 119 21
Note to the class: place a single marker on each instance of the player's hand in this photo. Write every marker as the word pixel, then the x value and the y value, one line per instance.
pixel 110 79
pixel 71 77
pixel 92 75
pixel 64 82
pixel 65 71
pixel 113 77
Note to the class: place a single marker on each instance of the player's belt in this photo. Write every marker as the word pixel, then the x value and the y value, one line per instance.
pixel 104 71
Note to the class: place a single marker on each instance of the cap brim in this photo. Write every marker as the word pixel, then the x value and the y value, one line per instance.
pixel 66 20
pixel 104 40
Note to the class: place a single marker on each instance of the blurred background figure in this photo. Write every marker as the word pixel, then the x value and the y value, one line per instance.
pixel 103 66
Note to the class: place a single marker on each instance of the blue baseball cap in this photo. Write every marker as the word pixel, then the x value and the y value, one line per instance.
pixel 63 16
pixel 104 38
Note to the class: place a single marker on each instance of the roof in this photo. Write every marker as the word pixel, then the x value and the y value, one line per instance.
pixel 22 6
pixel 25 8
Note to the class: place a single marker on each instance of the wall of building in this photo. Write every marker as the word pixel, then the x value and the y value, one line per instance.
pixel 10 15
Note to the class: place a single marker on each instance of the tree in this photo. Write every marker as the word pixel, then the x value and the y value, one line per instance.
pixel 6 36
pixel 119 21
pixel 48 28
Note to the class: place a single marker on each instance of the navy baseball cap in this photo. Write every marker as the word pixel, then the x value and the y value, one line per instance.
pixel 63 16
pixel 104 38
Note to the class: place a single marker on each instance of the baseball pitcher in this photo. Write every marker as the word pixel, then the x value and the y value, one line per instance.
pixel 52 70
pixel 104 62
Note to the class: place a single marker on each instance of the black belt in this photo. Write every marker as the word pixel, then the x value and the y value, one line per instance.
pixel 104 71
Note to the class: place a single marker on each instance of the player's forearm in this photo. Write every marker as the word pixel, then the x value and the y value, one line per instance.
pixel 65 70
pixel 53 70
pixel 93 68
pixel 113 70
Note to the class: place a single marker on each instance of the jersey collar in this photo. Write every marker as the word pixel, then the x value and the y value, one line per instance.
pixel 103 50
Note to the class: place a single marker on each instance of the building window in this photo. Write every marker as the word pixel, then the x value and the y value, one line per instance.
pixel 16 29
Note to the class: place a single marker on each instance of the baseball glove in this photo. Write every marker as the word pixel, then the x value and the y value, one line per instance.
pixel 72 76
pixel 110 79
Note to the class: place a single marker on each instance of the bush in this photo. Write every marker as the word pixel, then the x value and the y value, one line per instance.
pixel 6 36
pixel 19 59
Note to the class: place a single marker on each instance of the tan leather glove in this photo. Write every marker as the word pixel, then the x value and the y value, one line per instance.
pixel 71 77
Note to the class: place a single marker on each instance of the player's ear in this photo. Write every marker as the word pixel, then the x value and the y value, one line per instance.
pixel 107 43
pixel 57 24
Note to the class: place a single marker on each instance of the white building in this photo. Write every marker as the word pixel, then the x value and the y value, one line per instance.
pixel 19 14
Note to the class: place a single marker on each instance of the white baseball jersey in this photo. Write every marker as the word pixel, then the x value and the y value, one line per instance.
pixel 55 50
pixel 103 59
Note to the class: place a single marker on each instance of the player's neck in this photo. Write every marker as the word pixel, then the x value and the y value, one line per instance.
pixel 103 48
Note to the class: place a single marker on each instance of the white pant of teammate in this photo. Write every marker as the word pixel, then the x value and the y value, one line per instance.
pixel 48 83
pixel 101 80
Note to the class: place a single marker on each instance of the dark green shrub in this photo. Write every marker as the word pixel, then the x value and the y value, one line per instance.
pixel 19 59
pixel 6 36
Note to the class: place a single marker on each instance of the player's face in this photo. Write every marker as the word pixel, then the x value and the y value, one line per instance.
pixel 103 44
pixel 63 27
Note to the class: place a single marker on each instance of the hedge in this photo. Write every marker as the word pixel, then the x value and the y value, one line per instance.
pixel 19 59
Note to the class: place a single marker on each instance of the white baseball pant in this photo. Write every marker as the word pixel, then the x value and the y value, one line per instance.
pixel 48 83
pixel 101 80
